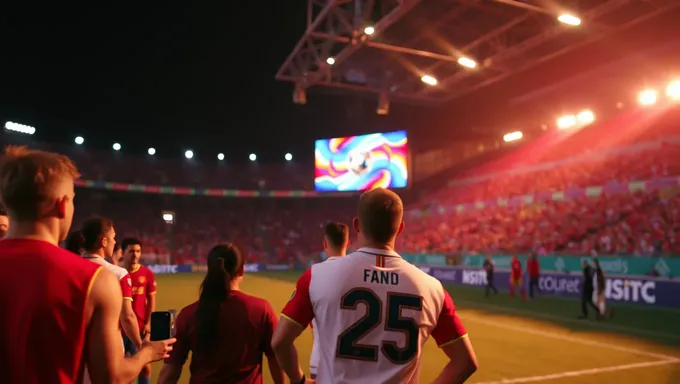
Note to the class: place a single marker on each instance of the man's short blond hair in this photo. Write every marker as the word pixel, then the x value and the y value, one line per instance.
pixel 29 177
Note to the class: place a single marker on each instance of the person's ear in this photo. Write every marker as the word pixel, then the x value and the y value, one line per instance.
pixel 61 204
pixel 355 224
pixel 401 228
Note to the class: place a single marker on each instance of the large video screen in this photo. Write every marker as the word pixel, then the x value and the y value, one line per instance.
pixel 358 163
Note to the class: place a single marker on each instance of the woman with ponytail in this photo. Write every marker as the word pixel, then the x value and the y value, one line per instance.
pixel 226 330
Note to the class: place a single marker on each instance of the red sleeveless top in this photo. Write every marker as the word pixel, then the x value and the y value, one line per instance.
pixel 43 297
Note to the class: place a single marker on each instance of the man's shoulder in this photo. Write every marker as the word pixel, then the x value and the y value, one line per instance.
pixel 120 272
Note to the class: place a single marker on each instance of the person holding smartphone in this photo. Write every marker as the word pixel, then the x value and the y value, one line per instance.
pixel 226 330
pixel 73 304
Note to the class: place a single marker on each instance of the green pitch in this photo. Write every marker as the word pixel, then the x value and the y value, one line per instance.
pixel 516 342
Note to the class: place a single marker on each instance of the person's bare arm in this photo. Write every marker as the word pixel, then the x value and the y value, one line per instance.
pixel 284 348
pixel 462 362
pixel 275 370
pixel 128 320
pixel 170 374
pixel 104 358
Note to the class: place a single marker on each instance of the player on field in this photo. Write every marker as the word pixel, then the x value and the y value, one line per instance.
pixel 97 238
pixel 335 241
pixel 143 296
pixel 373 310
pixel 60 311
pixel 516 278
pixel 226 330
pixel 4 223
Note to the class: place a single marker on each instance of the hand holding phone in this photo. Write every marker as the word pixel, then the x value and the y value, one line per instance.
pixel 161 325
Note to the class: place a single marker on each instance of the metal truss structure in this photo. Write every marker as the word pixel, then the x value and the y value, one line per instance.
pixel 412 38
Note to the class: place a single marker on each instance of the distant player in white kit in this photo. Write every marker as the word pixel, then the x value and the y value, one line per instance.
pixel 373 310
pixel 335 241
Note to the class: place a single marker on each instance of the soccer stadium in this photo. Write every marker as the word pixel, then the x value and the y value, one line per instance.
pixel 542 131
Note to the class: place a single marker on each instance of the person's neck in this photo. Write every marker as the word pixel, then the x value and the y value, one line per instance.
pixel 33 230
pixel 235 286
pixel 130 267
pixel 389 246
pixel 97 252
pixel 335 252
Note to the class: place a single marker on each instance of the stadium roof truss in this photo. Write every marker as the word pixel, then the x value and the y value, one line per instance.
pixel 412 38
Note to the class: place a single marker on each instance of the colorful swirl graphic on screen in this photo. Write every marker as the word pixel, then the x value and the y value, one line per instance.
pixel 363 162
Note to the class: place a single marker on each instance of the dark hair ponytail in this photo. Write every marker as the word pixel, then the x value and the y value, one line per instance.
pixel 225 262
pixel 75 242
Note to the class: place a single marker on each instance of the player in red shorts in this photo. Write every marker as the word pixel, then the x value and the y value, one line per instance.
pixel 59 312
pixel 516 277
pixel 143 296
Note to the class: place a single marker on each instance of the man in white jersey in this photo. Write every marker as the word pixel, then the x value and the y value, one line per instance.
pixel 373 310
pixel 335 241
pixel 96 239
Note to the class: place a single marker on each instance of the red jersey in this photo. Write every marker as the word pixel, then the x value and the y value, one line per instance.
pixel 246 325
pixel 143 286
pixel 43 320
pixel 533 267
pixel 516 267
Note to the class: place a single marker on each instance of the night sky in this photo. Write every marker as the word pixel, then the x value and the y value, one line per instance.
pixel 171 76
pixel 201 76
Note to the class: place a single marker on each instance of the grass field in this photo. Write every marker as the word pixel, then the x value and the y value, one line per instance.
pixel 516 342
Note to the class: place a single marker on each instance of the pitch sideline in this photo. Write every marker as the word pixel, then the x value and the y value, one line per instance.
pixel 605 327
pixel 592 371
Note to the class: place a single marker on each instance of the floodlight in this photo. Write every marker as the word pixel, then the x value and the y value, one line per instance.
pixel 429 80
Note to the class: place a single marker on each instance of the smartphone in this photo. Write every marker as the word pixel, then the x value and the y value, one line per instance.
pixel 161 325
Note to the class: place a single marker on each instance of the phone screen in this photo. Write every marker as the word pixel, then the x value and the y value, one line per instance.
pixel 161 325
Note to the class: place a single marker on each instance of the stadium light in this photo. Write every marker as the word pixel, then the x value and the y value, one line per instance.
pixel 189 154
pixel 168 217
pixel 647 97
pixel 220 156
pixel 566 121
pixel 289 157
pixel 569 19
pixel 585 117
pixel 79 140
pixel 20 128
pixel 369 30
pixel 467 62
pixel 429 80
pixel 252 157
pixel 330 61
pixel 673 90
pixel 512 136
pixel 116 147
pixel 151 151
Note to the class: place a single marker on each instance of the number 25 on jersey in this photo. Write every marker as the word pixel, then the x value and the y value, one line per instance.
pixel 349 347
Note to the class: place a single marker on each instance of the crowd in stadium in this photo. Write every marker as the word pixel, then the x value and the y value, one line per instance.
pixel 642 222
pixel 617 220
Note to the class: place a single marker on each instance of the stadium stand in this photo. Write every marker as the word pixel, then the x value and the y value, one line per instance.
pixel 550 195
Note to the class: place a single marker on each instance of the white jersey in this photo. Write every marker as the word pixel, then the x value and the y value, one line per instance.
pixel 125 286
pixel 373 313
pixel 314 360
